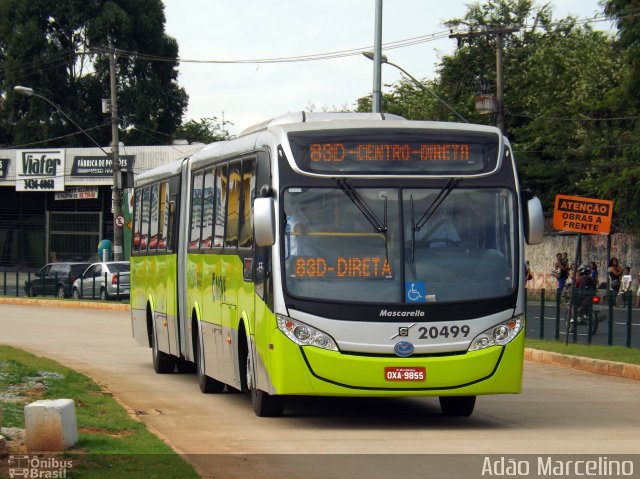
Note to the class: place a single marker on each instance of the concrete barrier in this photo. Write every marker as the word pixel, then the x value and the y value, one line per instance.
pixel 51 425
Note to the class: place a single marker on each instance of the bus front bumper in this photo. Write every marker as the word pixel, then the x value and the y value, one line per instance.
pixel 314 371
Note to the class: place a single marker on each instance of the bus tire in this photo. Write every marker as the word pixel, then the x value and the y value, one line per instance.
pixel 207 384
pixel 457 406
pixel 265 404
pixel 163 363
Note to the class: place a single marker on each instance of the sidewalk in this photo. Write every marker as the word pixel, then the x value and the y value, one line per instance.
pixel 66 303
pixel 597 366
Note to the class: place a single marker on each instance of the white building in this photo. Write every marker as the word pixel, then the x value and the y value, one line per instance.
pixel 55 203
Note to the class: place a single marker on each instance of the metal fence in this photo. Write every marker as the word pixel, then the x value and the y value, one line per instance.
pixel 611 320
pixel 27 284
pixel 601 318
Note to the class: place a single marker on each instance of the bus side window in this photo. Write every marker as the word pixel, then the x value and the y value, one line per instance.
pixel 196 211
pixel 207 215
pixel 135 244
pixel 163 215
pixel 248 195
pixel 233 206
pixel 144 220
pixel 221 206
pixel 155 216
pixel 170 224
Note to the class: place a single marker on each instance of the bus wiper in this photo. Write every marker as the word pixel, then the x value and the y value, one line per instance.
pixel 435 204
pixel 365 209
pixel 367 212
pixel 413 232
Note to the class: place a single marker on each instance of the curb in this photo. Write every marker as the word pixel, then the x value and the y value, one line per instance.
pixel 597 366
pixel 64 303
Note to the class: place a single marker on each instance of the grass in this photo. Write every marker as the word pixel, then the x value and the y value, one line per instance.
pixel 110 442
pixel 609 353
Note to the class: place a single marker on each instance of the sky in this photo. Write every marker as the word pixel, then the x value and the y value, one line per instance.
pixel 246 94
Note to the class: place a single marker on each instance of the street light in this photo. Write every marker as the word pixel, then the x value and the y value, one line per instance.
pixel 384 59
pixel 26 91
pixel 117 184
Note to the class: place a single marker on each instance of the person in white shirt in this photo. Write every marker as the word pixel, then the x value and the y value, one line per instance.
pixel 625 286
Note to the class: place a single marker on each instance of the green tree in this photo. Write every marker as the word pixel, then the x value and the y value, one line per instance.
pixel 561 87
pixel 410 101
pixel 620 168
pixel 559 77
pixel 59 48
pixel 205 130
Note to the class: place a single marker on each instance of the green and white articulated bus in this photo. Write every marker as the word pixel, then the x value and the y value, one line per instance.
pixel 337 255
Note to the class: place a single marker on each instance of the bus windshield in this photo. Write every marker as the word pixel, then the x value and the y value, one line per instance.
pixel 463 250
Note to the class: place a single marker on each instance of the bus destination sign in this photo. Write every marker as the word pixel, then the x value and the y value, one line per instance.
pixel 396 152
pixel 348 268
pixel 338 152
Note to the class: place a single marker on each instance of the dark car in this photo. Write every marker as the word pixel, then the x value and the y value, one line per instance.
pixel 54 279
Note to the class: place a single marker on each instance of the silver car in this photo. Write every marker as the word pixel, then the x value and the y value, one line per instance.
pixel 104 280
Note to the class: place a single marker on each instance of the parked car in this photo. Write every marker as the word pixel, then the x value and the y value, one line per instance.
pixel 104 280
pixel 54 279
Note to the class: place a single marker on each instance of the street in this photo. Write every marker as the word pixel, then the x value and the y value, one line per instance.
pixel 560 411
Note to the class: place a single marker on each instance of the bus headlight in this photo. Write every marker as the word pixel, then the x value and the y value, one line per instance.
pixel 498 335
pixel 304 335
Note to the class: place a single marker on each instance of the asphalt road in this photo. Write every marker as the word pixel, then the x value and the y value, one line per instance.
pixel 561 411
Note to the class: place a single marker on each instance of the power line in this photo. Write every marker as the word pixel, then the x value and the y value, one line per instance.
pixel 291 59
pixel 559 118
pixel 580 149
pixel 309 57
pixel 47 140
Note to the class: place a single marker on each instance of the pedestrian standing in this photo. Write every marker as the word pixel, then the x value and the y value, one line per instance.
pixel 561 268
pixel 625 286
pixel 594 273
pixel 615 275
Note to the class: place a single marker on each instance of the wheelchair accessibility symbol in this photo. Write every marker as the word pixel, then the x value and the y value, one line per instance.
pixel 415 292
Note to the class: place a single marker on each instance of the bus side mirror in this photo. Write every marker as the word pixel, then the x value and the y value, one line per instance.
pixel 533 222
pixel 264 221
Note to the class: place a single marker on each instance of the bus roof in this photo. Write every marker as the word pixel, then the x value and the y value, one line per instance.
pixel 309 117
pixel 163 171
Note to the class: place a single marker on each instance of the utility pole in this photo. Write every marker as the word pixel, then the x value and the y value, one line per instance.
pixel 116 195
pixel 376 100
pixel 499 34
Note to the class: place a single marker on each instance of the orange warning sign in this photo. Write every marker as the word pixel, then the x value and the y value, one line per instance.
pixel 582 215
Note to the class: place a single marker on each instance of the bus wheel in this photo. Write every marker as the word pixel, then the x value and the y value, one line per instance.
pixel 163 363
pixel 207 384
pixel 266 405
pixel 457 406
